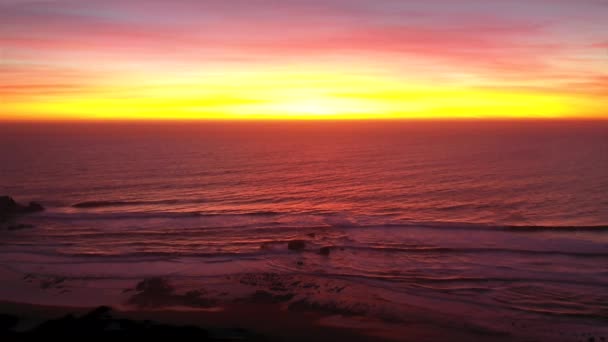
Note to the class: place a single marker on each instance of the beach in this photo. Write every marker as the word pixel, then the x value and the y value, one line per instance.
pixel 249 322
pixel 263 315
pixel 260 313
pixel 260 307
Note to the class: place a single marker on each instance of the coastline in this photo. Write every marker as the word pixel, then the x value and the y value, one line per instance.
pixel 253 322
pixel 251 310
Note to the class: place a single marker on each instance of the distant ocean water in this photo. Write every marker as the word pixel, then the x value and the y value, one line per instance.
pixel 510 215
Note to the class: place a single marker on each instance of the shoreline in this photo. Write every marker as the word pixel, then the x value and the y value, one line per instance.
pixel 249 322
pixel 273 306
pixel 253 313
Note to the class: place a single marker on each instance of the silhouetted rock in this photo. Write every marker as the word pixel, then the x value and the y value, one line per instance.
pixel 155 286
pixel 328 307
pixel 99 323
pixel 325 250
pixel 157 292
pixel 296 245
pixel 9 208
pixel 102 312
pixel 7 204
pixel 19 226
pixel 34 207
pixel 7 322
pixel 261 296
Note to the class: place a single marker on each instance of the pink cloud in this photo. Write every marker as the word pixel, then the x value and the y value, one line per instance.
pixel 595 85
pixel 489 43
pixel 87 34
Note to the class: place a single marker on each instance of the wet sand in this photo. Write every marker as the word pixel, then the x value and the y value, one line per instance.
pixel 274 306
pixel 242 321
pixel 255 307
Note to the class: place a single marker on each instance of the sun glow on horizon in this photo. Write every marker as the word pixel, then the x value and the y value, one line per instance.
pixel 304 95
pixel 109 61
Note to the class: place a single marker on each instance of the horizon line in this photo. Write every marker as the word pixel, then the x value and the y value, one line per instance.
pixel 311 120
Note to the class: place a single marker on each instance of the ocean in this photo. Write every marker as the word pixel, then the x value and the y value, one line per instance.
pixel 506 219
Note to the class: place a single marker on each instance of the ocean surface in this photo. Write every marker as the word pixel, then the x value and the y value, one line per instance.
pixel 507 217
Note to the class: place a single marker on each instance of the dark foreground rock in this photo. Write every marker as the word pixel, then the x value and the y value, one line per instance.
pixel 7 322
pixel 265 297
pixel 101 324
pixel 325 250
pixel 10 208
pixel 19 226
pixel 158 292
pixel 296 245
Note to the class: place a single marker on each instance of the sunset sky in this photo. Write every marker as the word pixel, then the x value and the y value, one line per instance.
pixel 306 59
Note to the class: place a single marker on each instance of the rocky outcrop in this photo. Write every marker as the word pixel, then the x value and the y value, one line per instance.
pixel 100 324
pixel 158 292
pixel 296 245
pixel 19 226
pixel 9 208
pixel 325 250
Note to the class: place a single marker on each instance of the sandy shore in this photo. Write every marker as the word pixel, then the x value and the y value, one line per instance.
pixel 254 307
pixel 259 306
pixel 242 321
pixel 251 307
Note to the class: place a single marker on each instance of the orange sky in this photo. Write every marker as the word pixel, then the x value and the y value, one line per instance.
pixel 330 59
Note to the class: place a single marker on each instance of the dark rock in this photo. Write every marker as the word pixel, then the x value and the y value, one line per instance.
pixel 7 204
pixel 102 312
pixel 7 322
pixel 325 250
pixel 296 245
pixel 261 296
pixel 34 207
pixel 338 289
pixel 157 292
pixel 52 283
pixel 155 286
pixel 9 208
pixel 99 323
pixel 19 226
pixel 300 263
pixel 312 235
pixel 194 294
pixel 328 307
